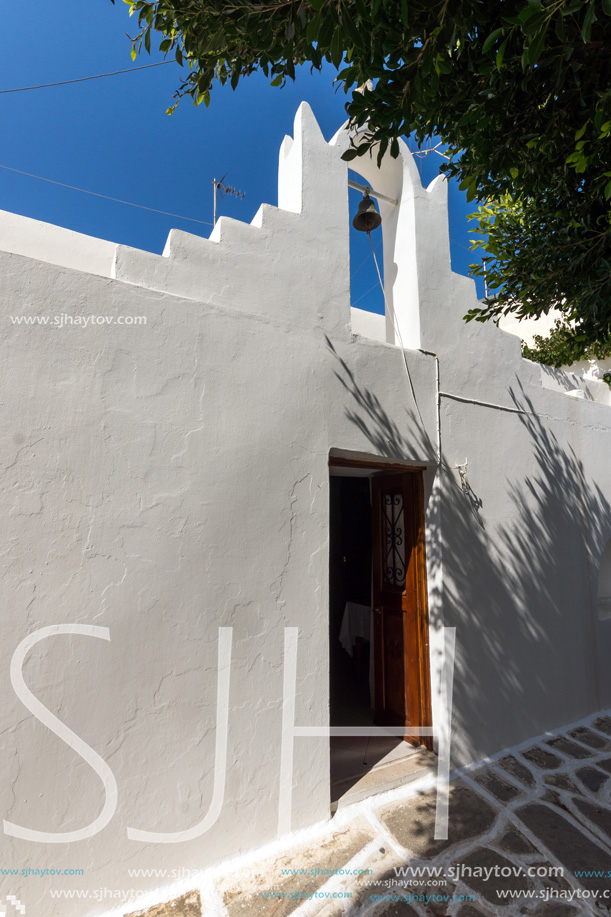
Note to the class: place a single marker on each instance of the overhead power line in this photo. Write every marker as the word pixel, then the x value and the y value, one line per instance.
pixel 106 197
pixel 83 79
pixel 366 293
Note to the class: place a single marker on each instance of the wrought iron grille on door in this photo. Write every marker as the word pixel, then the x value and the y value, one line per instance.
pixel 394 528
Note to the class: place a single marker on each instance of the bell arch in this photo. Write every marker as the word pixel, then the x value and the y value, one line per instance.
pixel 414 233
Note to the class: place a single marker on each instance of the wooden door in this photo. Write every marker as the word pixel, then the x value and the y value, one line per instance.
pixel 400 603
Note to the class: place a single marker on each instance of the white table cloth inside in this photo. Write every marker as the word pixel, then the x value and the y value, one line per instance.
pixel 356 622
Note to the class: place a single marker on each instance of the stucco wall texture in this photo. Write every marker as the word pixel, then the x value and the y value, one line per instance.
pixel 167 479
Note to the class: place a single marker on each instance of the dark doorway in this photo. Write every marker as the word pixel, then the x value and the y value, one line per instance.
pixel 350 601
pixel 373 672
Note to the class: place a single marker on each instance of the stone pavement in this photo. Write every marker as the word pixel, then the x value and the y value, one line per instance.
pixel 535 824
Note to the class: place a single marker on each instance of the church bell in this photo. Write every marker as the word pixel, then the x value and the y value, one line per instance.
pixel 367 217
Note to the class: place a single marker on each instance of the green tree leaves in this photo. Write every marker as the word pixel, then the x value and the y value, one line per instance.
pixel 518 92
pixel 565 346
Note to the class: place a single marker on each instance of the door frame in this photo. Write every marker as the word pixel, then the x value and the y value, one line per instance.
pixel 423 715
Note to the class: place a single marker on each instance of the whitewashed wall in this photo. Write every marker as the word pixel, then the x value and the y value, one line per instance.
pixel 168 479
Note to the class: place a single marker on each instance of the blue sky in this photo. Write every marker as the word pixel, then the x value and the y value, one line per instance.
pixel 112 136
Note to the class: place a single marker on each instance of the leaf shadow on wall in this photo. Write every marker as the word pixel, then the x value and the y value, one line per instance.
pixel 516 588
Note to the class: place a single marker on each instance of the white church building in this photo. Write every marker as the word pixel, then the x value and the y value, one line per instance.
pixel 238 513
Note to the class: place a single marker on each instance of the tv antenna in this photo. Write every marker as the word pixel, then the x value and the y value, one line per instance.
pixel 219 186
